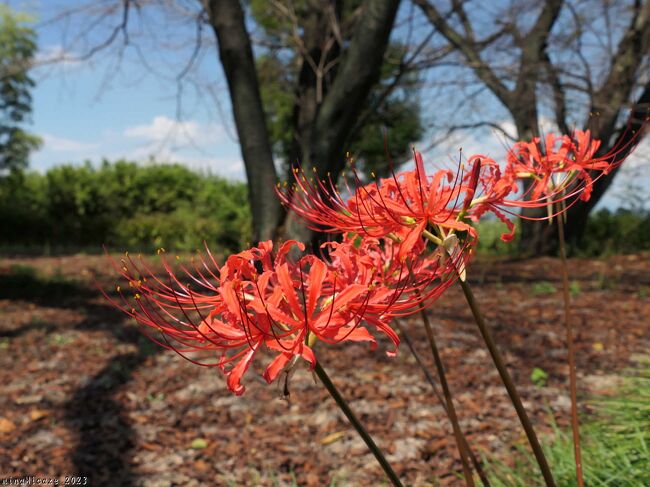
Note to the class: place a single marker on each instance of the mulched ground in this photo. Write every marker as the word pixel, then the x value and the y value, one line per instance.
pixel 83 393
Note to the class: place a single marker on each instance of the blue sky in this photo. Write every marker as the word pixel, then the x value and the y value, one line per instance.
pixel 90 110
pixel 94 109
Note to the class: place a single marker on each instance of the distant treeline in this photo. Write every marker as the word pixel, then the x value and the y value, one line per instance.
pixel 144 207
pixel 123 205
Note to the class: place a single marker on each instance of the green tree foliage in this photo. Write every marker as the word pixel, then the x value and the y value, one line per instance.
pixel 391 118
pixel 17 49
pixel 123 204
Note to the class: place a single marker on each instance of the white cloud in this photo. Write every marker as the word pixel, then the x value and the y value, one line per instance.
pixel 640 158
pixel 229 167
pixel 200 146
pixel 56 54
pixel 164 130
pixel 61 144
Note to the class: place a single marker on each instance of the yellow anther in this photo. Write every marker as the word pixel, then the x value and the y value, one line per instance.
pixel 137 296
pixel 118 289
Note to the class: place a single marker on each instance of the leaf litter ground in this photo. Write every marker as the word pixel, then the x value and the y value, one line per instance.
pixel 84 393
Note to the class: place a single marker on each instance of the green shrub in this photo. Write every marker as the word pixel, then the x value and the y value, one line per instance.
pixel 618 232
pixel 490 242
pixel 607 232
pixel 123 204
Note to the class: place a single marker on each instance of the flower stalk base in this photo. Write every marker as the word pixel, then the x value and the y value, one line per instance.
pixel 345 407
pixel 509 385
pixel 575 425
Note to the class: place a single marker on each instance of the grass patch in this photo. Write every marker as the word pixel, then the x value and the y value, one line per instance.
pixel 543 287
pixel 615 444
pixel 575 289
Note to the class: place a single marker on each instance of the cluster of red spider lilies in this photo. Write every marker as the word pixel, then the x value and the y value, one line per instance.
pixel 402 241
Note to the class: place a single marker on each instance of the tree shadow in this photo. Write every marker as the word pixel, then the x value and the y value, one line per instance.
pixel 16 332
pixel 23 283
pixel 105 435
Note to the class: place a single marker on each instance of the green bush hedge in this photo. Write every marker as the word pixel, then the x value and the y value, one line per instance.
pixel 608 232
pixel 123 204
pixel 620 232
pixel 144 207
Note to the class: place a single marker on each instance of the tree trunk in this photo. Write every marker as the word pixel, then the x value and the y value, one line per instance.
pixel 358 71
pixel 607 102
pixel 236 54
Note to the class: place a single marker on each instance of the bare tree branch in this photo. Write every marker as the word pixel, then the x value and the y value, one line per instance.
pixel 614 92
pixel 558 90
pixel 468 49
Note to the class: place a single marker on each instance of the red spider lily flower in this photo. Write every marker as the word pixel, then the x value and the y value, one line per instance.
pixel 558 170
pixel 198 310
pixel 556 163
pixel 402 287
pixel 257 300
pixel 561 167
pixel 402 207
pixel 492 191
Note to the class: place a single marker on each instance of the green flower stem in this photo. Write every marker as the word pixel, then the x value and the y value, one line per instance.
pixel 575 425
pixel 409 343
pixel 345 407
pixel 451 410
pixel 509 384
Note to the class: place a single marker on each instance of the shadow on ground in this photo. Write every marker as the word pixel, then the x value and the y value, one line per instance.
pixel 104 435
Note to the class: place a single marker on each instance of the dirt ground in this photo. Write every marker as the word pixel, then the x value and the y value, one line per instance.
pixel 83 393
